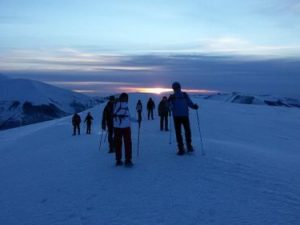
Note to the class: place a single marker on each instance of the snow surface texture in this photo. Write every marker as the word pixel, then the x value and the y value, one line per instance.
pixel 249 175
pixel 242 98
pixel 25 101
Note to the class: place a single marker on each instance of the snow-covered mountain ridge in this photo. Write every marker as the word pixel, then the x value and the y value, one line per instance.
pixel 25 101
pixel 242 98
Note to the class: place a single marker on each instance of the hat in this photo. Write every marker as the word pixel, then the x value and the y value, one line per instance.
pixel 123 97
pixel 176 86
pixel 111 98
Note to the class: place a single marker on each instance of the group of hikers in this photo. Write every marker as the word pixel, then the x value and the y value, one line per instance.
pixel 116 120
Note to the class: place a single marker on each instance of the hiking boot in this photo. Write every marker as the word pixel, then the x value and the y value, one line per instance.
pixel 180 152
pixel 167 129
pixel 119 163
pixel 128 163
pixel 190 148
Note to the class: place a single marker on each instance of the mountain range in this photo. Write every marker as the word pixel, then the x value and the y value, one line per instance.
pixel 24 101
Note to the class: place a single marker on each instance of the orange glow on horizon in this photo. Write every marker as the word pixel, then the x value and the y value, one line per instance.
pixel 160 90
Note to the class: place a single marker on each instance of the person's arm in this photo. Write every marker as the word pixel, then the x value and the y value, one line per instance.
pixel 104 119
pixel 190 103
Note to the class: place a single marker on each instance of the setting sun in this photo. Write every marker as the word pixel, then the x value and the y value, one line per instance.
pixel 160 90
pixel 156 90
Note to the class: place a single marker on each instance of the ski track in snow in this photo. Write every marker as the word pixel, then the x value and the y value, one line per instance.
pixel 249 175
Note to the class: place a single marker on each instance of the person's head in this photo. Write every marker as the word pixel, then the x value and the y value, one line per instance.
pixel 123 97
pixel 164 98
pixel 176 86
pixel 139 101
pixel 112 98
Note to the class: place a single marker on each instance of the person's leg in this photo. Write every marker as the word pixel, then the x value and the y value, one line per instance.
pixel 74 129
pixel 110 137
pixel 166 122
pixel 118 143
pixel 139 116
pixel 128 144
pixel 149 114
pixel 187 131
pixel 78 128
pixel 89 128
pixel 152 114
pixel 177 125
pixel 161 122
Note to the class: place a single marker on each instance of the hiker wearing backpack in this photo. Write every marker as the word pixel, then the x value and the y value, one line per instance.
pixel 76 120
pixel 179 103
pixel 108 122
pixel 122 130
pixel 139 109
pixel 163 112
pixel 88 120
pixel 150 108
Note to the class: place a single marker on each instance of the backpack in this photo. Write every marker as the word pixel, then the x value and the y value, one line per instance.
pixel 121 117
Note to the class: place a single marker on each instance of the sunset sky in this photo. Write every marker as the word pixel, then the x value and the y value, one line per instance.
pixel 105 37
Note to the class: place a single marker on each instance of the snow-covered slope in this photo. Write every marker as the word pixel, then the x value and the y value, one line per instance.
pixel 242 98
pixel 27 101
pixel 249 175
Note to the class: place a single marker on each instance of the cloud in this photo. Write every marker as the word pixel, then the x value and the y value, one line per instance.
pixel 237 46
pixel 232 46
pixel 65 59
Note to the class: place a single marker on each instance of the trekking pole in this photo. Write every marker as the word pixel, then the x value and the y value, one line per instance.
pixel 100 141
pixel 170 137
pixel 138 142
pixel 202 148
pixel 105 138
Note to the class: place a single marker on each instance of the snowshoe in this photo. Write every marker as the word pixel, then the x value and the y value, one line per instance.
pixel 180 152
pixel 190 148
pixel 128 163
pixel 119 163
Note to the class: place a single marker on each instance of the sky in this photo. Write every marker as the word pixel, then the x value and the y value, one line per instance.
pixel 103 37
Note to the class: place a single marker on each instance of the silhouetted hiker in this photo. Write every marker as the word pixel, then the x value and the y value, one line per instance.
pixel 139 109
pixel 76 120
pixel 108 121
pixel 180 101
pixel 163 112
pixel 122 130
pixel 150 108
pixel 88 120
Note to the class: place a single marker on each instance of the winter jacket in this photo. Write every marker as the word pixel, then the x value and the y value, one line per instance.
pixel 179 103
pixel 76 119
pixel 150 104
pixel 121 115
pixel 163 108
pixel 139 107
pixel 108 115
pixel 88 119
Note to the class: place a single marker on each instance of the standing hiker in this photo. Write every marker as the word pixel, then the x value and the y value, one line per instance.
pixel 163 112
pixel 122 130
pixel 88 120
pixel 150 108
pixel 107 121
pixel 180 102
pixel 139 109
pixel 76 120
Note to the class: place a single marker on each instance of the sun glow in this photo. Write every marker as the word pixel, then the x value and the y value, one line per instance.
pixel 160 90
pixel 156 90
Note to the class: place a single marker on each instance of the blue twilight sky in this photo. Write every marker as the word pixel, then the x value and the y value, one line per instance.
pixel 117 26
pixel 141 38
